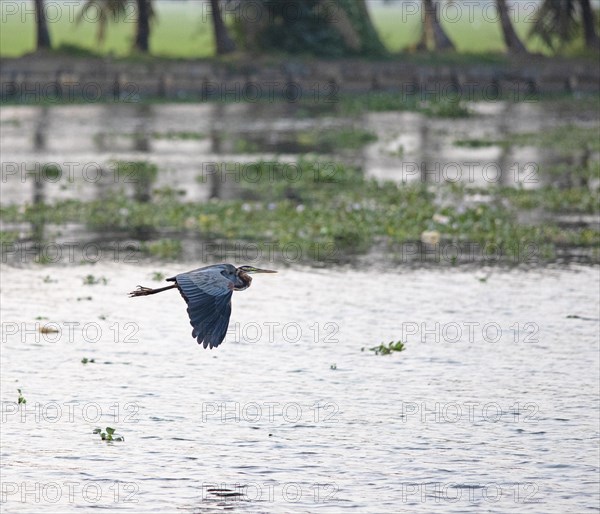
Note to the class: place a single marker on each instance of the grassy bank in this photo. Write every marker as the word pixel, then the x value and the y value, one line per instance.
pixel 183 29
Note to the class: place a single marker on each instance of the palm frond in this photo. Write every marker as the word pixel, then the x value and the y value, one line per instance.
pixel 556 22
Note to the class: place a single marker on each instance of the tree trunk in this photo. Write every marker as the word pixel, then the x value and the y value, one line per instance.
pixel 341 22
pixel 43 36
pixel 223 41
pixel 440 40
pixel 591 36
pixel 142 36
pixel 512 41
pixel 369 31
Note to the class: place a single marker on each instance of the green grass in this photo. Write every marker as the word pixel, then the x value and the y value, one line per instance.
pixel 399 29
pixel 183 30
pixel 480 34
pixel 178 31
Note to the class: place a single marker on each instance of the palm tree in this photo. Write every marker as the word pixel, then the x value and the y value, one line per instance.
pixel 223 41
pixel 145 13
pixel 432 29
pixel 43 36
pixel 331 28
pixel 589 27
pixel 513 43
pixel 557 21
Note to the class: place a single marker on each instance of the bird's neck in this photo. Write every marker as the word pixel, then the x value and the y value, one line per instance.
pixel 245 279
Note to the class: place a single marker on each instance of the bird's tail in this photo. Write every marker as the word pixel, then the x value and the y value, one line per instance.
pixel 145 291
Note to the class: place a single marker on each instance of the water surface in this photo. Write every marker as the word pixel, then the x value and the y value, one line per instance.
pixel 493 406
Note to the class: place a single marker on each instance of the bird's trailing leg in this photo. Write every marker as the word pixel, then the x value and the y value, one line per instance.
pixel 145 291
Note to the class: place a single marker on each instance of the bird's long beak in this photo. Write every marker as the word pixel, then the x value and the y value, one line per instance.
pixel 258 270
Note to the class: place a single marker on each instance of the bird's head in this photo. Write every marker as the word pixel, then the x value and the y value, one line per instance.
pixel 252 269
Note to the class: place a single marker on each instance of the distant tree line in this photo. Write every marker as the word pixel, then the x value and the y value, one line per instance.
pixel 334 27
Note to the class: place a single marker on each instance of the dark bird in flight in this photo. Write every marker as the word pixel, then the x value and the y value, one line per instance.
pixel 207 292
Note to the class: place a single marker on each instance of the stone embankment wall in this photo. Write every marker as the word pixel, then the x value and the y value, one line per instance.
pixel 57 79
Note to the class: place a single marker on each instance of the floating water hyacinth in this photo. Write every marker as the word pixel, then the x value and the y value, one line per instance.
pixel 109 435
pixel 391 347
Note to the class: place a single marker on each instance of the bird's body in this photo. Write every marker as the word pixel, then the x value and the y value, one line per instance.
pixel 207 292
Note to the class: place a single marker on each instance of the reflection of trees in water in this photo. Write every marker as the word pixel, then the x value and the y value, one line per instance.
pixel 39 180
pixel 503 162
pixel 144 173
pixel 144 115
pixel 118 175
pixel 215 176
pixel 430 150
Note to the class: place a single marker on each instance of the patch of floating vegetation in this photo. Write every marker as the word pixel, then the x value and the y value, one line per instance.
pixel 584 200
pixel 451 106
pixel 164 249
pixel 388 349
pixel 109 435
pixel 91 280
pixel 564 138
pixel 315 141
pixel 179 135
pixel 474 143
pixel 330 210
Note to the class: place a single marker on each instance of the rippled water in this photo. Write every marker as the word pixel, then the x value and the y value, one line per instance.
pixel 493 406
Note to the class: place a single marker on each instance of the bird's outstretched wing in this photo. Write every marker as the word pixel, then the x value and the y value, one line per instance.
pixel 208 296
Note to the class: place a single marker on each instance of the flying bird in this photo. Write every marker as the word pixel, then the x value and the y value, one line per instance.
pixel 207 292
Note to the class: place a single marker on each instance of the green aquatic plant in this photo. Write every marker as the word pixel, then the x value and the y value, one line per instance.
pixel 164 249
pixel 91 280
pixel 109 435
pixel 474 143
pixel 51 172
pixel 158 276
pixel 391 347
pixel 8 237
pixel 327 211
pixel 563 138
pixel 243 145
pixel 85 360
pixel 451 107
pixel 21 400
pixel 178 135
